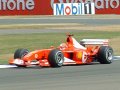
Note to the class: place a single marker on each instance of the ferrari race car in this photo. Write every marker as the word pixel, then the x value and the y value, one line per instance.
pixel 71 52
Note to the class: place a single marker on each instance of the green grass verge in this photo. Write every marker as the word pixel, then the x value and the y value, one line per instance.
pixel 9 43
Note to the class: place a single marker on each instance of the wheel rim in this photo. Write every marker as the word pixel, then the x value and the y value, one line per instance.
pixel 109 55
pixel 59 58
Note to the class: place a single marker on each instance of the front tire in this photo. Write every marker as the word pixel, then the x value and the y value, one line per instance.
pixel 56 58
pixel 19 54
pixel 105 55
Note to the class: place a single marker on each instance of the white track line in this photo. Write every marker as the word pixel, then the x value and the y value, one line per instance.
pixel 116 58
pixel 8 66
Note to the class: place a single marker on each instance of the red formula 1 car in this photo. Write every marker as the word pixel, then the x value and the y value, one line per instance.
pixel 71 52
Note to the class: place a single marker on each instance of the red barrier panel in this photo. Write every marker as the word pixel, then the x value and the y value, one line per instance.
pixel 107 7
pixel 101 6
pixel 45 7
pixel 25 7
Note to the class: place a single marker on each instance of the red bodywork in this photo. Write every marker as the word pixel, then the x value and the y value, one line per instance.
pixel 73 52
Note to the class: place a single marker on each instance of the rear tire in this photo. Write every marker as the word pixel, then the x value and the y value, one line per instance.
pixel 105 55
pixel 56 58
pixel 19 54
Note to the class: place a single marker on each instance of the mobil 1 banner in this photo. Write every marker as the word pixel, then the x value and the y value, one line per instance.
pixel 73 8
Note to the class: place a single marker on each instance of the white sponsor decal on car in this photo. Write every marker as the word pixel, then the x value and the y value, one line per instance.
pixel 18 62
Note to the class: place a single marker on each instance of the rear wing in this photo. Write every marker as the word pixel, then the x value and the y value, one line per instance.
pixel 94 42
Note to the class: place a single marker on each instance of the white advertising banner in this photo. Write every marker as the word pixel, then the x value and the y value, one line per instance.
pixel 73 8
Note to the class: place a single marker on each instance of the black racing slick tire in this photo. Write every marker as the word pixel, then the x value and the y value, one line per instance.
pixel 105 55
pixel 19 54
pixel 56 58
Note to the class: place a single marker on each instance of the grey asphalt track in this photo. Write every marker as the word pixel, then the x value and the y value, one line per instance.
pixel 91 20
pixel 77 20
pixel 85 20
pixel 80 77
pixel 30 31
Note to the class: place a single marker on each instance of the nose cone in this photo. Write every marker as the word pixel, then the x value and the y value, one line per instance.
pixel 11 61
